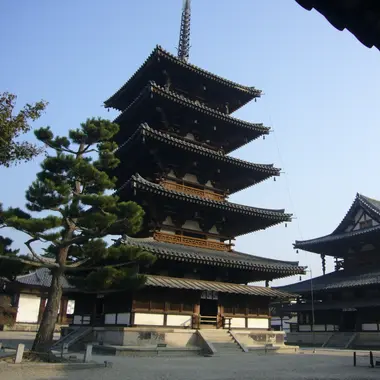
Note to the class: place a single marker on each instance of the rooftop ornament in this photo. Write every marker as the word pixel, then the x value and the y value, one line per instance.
pixel 184 35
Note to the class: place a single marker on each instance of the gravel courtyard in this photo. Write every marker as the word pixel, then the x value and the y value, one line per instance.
pixel 323 365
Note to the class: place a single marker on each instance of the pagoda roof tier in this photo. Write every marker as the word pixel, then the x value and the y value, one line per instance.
pixel 349 232
pixel 229 259
pixel 185 76
pixel 237 132
pixel 241 219
pixel 235 174
pixel 220 287
pixel 335 281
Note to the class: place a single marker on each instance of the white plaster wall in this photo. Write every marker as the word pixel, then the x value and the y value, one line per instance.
pixel 110 319
pixel 28 308
pixel 319 327
pixel 86 319
pixel 238 322
pixel 171 174
pixel 209 184
pixel 258 323
pixel 168 221
pixel 369 326
pixel 77 320
pixel 331 328
pixel 304 328
pixel 178 320
pixel 123 318
pixel 192 225
pixel 149 319
pixel 191 178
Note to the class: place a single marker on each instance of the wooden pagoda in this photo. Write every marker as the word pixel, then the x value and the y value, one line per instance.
pixel 176 131
pixel 346 300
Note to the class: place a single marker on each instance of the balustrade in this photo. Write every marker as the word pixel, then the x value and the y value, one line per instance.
pixel 203 193
pixel 190 241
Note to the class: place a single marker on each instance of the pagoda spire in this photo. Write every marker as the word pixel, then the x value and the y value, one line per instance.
pixel 184 35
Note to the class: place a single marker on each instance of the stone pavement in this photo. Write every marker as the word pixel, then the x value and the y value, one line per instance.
pixel 240 367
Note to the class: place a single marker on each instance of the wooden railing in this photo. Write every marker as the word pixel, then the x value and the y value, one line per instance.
pixel 193 191
pixel 190 241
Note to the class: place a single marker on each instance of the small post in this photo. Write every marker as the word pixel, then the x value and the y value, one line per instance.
pixel 354 358
pixel 19 353
pixel 64 349
pixel 371 359
pixel 88 354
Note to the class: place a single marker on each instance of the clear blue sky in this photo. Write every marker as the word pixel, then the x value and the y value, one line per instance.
pixel 321 93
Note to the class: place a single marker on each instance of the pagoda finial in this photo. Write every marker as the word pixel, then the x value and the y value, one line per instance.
pixel 184 35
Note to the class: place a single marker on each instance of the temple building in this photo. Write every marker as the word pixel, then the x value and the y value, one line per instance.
pixel 342 308
pixel 176 133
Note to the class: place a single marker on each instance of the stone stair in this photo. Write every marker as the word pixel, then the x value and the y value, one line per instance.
pixel 73 337
pixel 339 340
pixel 222 341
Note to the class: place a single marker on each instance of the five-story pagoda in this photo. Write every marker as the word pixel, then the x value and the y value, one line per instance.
pixel 176 131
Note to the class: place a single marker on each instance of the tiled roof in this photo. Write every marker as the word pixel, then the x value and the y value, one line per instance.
pixel 161 53
pixel 231 259
pixel 277 215
pixel 222 287
pixel 263 170
pixel 369 205
pixel 335 280
pixel 40 277
pixel 155 89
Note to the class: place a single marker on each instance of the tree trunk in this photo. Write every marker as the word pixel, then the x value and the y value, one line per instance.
pixel 44 338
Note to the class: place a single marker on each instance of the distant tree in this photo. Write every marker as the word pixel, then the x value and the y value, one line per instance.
pixel 78 211
pixel 13 126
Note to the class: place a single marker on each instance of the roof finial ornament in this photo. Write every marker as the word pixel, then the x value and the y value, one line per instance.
pixel 184 35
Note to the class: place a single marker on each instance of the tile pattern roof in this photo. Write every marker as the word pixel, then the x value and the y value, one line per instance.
pixel 231 259
pixel 155 89
pixel 144 131
pixel 40 277
pixel 278 216
pixel 336 280
pixel 161 53
pixel 222 287
pixel 369 205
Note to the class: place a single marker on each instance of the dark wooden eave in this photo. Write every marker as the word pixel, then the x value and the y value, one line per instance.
pixel 216 286
pixel 235 94
pixel 343 237
pixel 335 281
pixel 241 174
pixel 360 17
pixel 242 219
pixel 235 126
pixel 231 259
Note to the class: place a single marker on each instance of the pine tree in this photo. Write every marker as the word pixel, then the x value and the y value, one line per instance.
pixel 13 126
pixel 73 192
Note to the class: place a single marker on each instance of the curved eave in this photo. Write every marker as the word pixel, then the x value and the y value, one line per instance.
pixel 361 18
pixel 159 52
pixel 278 216
pixel 237 260
pixel 144 131
pixel 321 245
pixel 153 88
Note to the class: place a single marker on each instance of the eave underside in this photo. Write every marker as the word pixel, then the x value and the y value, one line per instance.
pixel 155 151
pixel 158 106
pixel 336 281
pixel 161 63
pixel 237 219
pixel 216 286
pixel 339 245
pixel 361 18
pixel 263 268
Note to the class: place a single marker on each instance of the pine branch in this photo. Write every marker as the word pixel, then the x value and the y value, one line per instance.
pixel 30 262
